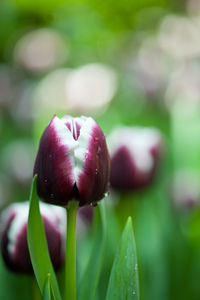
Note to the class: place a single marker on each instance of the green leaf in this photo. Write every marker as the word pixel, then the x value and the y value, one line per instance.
pixel 38 245
pixel 123 283
pixel 113 234
pixel 47 288
pixel 90 279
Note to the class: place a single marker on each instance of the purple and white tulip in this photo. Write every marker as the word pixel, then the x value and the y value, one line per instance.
pixel 135 152
pixel 72 162
pixel 14 245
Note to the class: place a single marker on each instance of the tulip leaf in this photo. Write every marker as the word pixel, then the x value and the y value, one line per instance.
pixel 47 288
pixel 90 279
pixel 113 234
pixel 38 248
pixel 123 283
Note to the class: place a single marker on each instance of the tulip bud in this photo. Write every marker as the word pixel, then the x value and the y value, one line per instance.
pixel 14 245
pixel 134 156
pixel 72 162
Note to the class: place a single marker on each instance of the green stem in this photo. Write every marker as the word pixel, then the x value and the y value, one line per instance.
pixel 36 295
pixel 70 262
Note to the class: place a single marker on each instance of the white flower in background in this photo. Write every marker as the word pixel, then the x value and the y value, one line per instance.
pixel 193 6
pixel 87 89
pixel 90 87
pixel 50 93
pixel 152 67
pixel 17 160
pixel 186 189
pixel 179 37
pixel 183 92
pixel 41 50
pixel 10 85
pixel 21 109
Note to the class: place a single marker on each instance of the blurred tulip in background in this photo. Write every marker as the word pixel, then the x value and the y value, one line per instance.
pixel 135 153
pixel 14 245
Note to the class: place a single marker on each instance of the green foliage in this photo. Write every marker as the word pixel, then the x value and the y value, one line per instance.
pixel 12 286
pixel 47 288
pixel 123 282
pixel 38 246
pixel 89 283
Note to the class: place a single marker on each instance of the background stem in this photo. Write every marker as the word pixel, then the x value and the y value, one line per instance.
pixel 70 262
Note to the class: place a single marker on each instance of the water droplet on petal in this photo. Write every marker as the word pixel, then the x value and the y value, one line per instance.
pixel 98 149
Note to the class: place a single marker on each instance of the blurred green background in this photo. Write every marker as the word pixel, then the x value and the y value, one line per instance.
pixel 124 63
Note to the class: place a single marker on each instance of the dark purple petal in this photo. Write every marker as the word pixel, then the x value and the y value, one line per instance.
pixel 122 169
pixel 125 174
pixel 92 182
pixel 4 239
pixel 54 167
pixel 20 258
pixel 54 241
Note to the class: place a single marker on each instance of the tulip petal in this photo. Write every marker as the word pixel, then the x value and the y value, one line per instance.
pixel 54 163
pixel 74 124
pixel 92 163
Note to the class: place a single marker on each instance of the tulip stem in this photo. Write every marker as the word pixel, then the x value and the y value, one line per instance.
pixel 70 262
